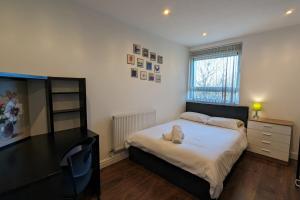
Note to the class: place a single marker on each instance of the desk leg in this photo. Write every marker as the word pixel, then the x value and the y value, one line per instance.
pixel 96 172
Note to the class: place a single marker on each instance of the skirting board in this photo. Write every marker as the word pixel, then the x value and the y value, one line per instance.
pixel 113 159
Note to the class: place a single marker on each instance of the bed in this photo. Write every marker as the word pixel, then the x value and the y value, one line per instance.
pixel 200 164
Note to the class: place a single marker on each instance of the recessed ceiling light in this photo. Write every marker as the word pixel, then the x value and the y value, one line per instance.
pixel 204 34
pixel 290 11
pixel 166 12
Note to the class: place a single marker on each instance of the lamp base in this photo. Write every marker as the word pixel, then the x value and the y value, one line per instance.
pixel 255 116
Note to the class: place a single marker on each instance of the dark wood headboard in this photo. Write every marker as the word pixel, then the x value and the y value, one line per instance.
pixel 235 112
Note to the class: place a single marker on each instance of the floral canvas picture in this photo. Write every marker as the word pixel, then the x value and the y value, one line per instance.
pixel 14 119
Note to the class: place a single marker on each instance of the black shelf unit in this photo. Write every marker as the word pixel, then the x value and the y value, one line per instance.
pixel 51 92
pixel 62 93
pixel 66 110
pixel 40 177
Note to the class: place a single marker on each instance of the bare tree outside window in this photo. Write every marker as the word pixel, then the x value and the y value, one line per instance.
pixel 215 79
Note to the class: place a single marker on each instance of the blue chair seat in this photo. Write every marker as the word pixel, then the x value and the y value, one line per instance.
pixel 81 183
pixel 77 169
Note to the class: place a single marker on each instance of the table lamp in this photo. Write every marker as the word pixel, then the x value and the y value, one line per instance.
pixel 256 106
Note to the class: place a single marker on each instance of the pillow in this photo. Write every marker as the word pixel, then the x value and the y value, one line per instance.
pixel 225 122
pixel 196 117
pixel 239 123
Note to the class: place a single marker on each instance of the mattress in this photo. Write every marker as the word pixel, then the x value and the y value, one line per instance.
pixel 208 152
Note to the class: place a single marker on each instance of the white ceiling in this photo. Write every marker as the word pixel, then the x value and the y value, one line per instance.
pixel 221 19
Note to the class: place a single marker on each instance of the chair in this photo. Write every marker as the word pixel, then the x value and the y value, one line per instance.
pixel 77 169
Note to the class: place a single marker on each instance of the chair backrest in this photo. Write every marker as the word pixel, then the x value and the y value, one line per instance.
pixel 79 158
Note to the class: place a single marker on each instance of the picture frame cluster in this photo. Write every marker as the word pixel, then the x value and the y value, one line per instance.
pixel 146 64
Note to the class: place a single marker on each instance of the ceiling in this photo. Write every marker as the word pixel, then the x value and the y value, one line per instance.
pixel 221 19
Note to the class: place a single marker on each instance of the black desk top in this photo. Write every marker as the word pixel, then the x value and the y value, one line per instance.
pixel 36 158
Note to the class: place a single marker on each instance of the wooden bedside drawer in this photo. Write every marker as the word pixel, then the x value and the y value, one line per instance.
pixel 270 127
pixel 268 144
pixel 269 152
pixel 264 135
pixel 270 137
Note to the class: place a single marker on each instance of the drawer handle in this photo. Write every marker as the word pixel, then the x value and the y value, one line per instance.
pixel 266 142
pixel 267 134
pixel 266 126
pixel 265 150
pixel 297 183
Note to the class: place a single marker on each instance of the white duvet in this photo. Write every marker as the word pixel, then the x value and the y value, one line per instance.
pixel 207 151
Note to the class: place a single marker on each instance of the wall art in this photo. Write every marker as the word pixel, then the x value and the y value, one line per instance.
pixel 140 62
pixel 136 49
pixel 151 76
pixel 143 75
pixel 145 52
pixel 130 59
pixel 152 56
pixel 157 78
pixel 156 68
pixel 14 117
pixel 159 59
pixel 134 73
pixel 149 66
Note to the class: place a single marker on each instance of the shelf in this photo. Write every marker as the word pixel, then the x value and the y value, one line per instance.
pixel 65 92
pixel 66 111
pixel 67 102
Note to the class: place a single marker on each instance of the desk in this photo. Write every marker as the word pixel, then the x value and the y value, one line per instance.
pixel 30 169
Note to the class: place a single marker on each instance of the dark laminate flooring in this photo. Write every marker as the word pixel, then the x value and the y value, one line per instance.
pixel 251 179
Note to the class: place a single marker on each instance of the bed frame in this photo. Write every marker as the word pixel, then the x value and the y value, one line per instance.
pixel 189 182
pixel 235 112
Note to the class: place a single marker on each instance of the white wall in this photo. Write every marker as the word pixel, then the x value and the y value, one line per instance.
pixel 270 71
pixel 61 38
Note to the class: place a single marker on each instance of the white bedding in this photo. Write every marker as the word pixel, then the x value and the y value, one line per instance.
pixel 207 151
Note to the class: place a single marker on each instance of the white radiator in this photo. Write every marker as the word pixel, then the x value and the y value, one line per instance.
pixel 125 124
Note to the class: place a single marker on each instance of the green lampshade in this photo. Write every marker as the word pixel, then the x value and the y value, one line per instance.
pixel 256 106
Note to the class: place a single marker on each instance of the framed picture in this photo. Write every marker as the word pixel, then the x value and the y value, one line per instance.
pixel 149 66
pixel 157 78
pixel 143 75
pixel 130 59
pixel 136 49
pixel 140 62
pixel 150 76
pixel 134 73
pixel 14 117
pixel 152 56
pixel 156 68
pixel 145 52
pixel 159 59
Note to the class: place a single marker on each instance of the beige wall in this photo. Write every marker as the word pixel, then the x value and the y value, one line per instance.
pixel 270 71
pixel 61 38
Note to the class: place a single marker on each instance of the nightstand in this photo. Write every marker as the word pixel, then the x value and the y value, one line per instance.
pixel 270 137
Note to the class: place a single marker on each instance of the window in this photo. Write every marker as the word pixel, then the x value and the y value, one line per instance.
pixel 215 75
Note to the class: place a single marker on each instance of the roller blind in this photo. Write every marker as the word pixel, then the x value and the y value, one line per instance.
pixel 215 75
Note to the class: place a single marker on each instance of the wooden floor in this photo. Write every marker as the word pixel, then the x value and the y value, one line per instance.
pixel 251 179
